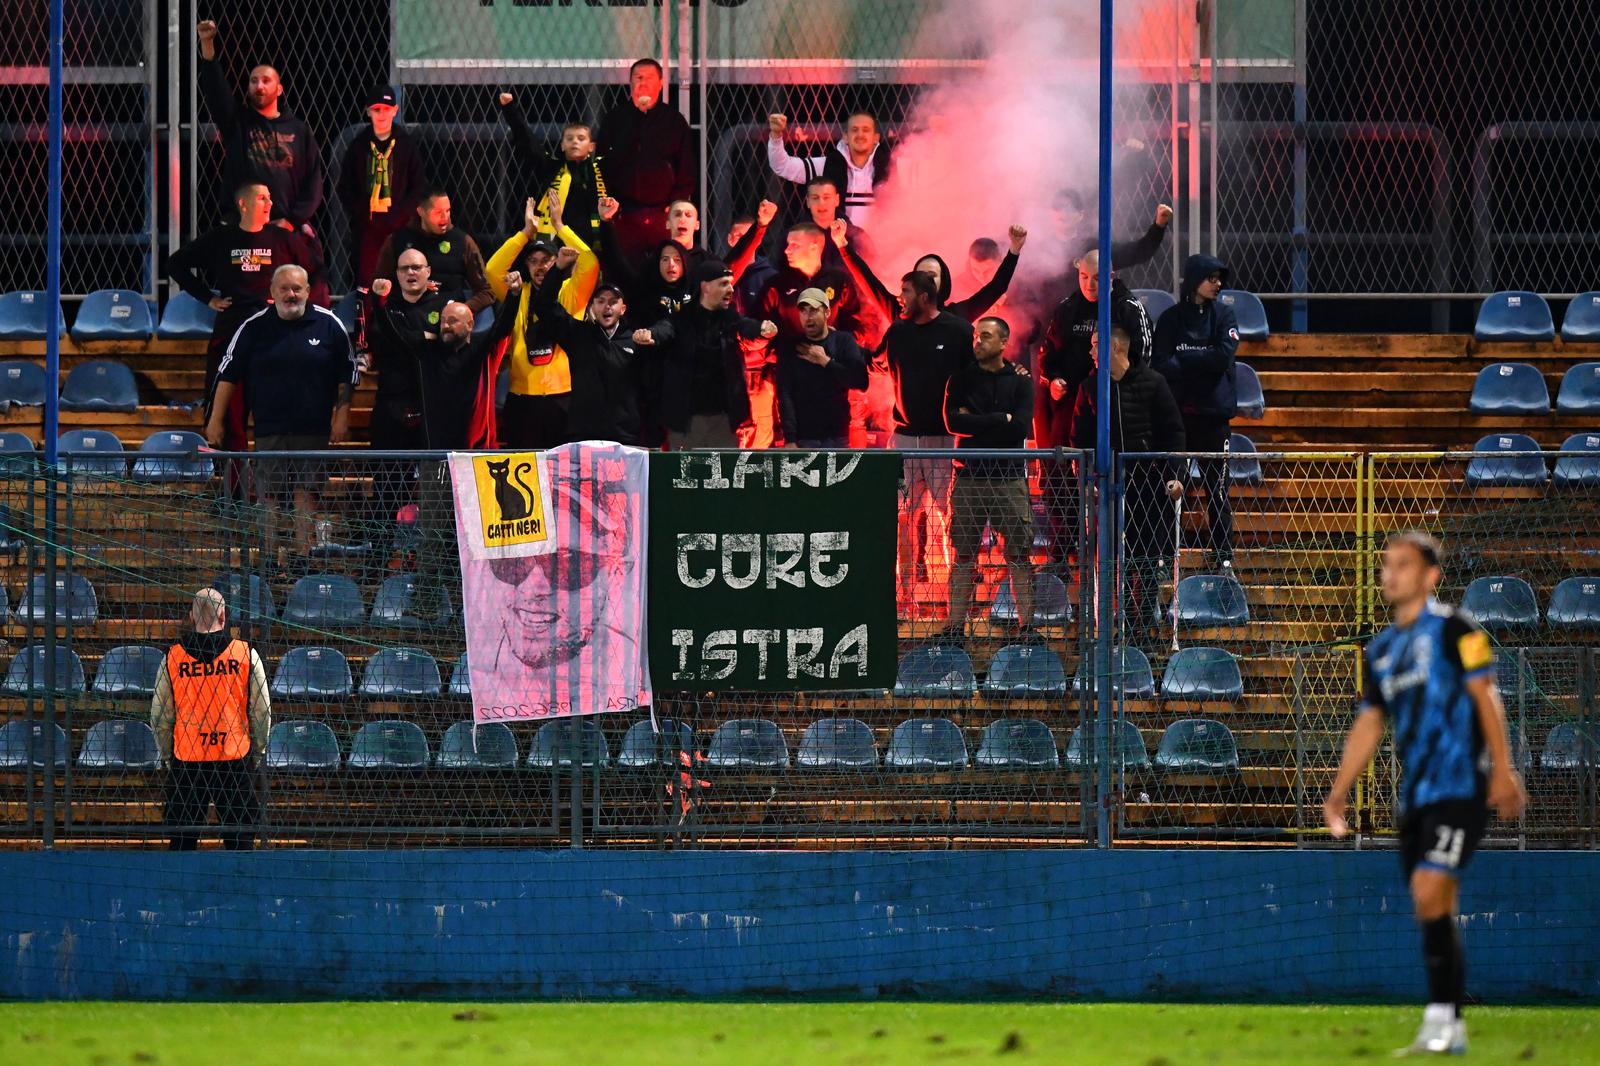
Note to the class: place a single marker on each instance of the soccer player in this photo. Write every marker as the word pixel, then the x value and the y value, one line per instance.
pixel 1431 673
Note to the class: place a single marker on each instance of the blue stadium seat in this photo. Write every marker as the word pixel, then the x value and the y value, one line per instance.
pixel 1202 674
pixel 120 744
pixel 112 315
pixel 1502 603
pixel 553 745
pixel 23 317
pixel 645 747
pixel 301 746
pixel 247 596
pixel 926 744
pixel 93 453
pixel 25 745
pixel 22 384
pixel 935 671
pixel 346 311
pixel 837 744
pixel 18 458
pixel 325 601
pixel 392 605
pixel 15 443
pixel 1156 301
pixel 75 601
pixel 1578 465
pixel 1128 748
pixel 1250 401
pixel 1243 466
pixel 26 674
pixel 1197 745
pixel 489 746
pixel 1580 391
pixel 1017 744
pixel 1510 389
pixel 173 455
pixel 312 674
pixel 101 386
pixel 1570 747
pixel 1050 605
pixel 1516 465
pixel 14 537
pixel 1575 604
pixel 1513 676
pixel 1250 312
pixel 1023 670
pixel 747 744
pixel 1581 323
pixel 129 671
pixel 1514 316
pixel 1212 600
pixel 186 319
pixel 1131 675
pixel 460 679
pixel 400 673
pixel 388 745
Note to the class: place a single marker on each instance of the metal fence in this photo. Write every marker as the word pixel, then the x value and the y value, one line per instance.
pixel 1226 690
pixel 1396 150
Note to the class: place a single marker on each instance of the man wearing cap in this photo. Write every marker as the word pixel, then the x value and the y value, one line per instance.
pixel 816 372
pixel 703 396
pixel 539 403
pixel 211 714
pixel 380 181
pixel 601 355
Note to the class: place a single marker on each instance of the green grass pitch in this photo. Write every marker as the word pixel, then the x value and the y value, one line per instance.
pixel 714 1034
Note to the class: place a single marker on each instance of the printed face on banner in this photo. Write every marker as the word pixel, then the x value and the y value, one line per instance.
pixel 554 601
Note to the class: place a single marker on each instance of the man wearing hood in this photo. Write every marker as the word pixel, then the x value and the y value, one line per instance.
pixel 703 396
pixel 857 165
pixel 211 714
pixel 993 287
pixel 1195 342
pixel 1065 361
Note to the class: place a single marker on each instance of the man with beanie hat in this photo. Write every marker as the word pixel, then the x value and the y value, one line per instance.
pixel 703 396
pixel 380 183
pixel 815 375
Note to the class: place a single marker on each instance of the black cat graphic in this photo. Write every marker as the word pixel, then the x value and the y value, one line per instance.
pixel 511 493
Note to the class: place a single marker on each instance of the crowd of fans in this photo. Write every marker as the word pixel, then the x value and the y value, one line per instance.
pixel 616 321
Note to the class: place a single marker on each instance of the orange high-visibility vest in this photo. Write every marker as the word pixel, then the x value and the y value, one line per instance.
pixel 212 704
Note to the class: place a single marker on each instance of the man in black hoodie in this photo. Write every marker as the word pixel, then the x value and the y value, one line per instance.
pixel 262 143
pixel 1144 418
pixel 989 404
pixel 212 714
pixel 703 397
pixel 1064 362
pixel 1195 343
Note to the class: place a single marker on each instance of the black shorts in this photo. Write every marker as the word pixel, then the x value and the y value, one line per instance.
pixel 1442 836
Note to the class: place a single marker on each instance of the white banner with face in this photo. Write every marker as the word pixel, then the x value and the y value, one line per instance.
pixel 553 551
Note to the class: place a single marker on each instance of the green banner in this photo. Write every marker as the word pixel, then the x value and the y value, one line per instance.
pixel 773 570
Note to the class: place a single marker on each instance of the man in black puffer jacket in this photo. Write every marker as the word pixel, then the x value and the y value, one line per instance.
pixel 1194 349
pixel 1144 418
pixel 1064 363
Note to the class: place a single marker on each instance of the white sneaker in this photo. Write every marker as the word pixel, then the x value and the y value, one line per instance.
pixel 1442 1033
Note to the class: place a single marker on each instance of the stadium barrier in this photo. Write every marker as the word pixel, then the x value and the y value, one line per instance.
pixel 1227 701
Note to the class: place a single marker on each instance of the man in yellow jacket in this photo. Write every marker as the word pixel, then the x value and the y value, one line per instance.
pixel 535 414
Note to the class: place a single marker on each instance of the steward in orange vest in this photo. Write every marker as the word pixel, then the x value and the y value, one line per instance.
pixel 211 715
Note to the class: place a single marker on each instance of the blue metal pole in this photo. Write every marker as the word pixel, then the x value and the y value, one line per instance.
pixel 52 411
pixel 1105 539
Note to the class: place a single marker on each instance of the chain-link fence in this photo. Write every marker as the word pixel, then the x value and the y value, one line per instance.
pixel 1217 715
pixel 109 172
